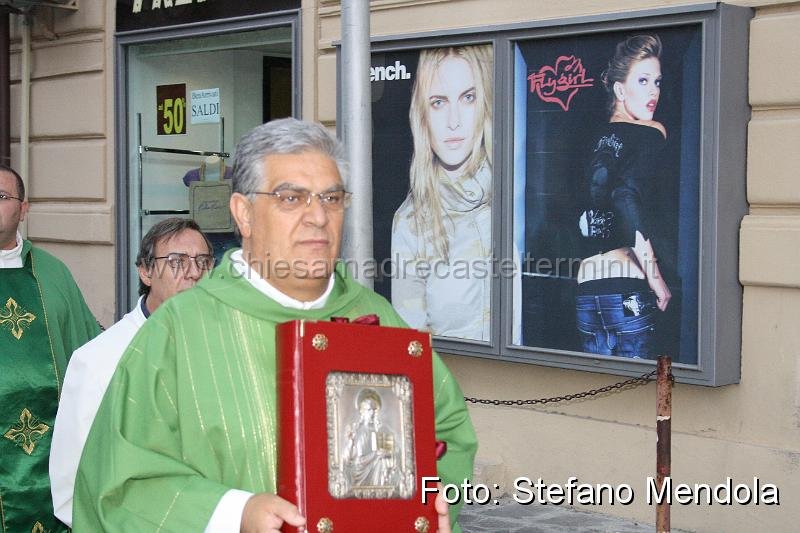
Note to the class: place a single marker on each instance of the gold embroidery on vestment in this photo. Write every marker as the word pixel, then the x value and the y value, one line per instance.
pixel 15 318
pixel 37 528
pixel 27 432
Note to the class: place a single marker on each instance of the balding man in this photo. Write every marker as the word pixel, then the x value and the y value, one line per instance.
pixel 43 318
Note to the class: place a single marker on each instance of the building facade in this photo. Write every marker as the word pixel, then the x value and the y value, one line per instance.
pixel 88 179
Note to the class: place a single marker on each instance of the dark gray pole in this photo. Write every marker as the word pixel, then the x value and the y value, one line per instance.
pixel 356 130
pixel 5 99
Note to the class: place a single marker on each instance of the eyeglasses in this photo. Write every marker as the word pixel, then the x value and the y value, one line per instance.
pixel 178 261
pixel 4 197
pixel 294 199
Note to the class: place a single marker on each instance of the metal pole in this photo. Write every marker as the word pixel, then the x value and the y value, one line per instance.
pixel 5 89
pixel 25 110
pixel 356 130
pixel 663 436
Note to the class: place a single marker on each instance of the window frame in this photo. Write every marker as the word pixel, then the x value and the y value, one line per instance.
pixel 722 203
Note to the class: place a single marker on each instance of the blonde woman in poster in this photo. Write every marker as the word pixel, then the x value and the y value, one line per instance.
pixel 441 234
pixel 620 286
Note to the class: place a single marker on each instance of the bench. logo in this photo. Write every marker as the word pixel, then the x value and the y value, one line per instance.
pixel 561 82
pixel 389 72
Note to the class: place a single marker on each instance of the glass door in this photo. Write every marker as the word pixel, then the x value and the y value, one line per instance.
pixel 189 101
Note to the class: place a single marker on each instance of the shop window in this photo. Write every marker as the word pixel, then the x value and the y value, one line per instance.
pixel 188 100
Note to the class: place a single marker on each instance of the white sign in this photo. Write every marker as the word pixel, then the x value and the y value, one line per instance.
pixel 205 106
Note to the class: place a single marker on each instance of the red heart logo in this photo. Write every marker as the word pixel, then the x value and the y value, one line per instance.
pixel 560 83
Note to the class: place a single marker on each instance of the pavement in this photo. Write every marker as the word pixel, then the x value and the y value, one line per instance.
pixel 511 517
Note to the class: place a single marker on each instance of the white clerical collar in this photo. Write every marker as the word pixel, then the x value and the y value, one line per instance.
pixel 250 274
pixel 12 258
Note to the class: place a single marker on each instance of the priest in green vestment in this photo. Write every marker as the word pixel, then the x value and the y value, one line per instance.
pixel 43 318
pixel 185 438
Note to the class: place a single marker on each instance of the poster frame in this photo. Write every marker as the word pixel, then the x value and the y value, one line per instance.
pixel 447 344
pixel 722 203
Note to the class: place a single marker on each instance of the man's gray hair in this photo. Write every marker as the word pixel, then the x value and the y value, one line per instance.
pixel 280 137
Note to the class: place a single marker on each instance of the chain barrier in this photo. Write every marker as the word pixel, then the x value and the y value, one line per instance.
pixel 633 382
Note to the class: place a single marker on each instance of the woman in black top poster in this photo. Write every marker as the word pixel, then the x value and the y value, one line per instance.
pixel 620 285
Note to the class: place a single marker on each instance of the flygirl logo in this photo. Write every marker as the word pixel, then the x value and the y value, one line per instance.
pixel 559 83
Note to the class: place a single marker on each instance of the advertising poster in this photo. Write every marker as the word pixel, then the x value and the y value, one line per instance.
pixel 607 192
pixel 432 186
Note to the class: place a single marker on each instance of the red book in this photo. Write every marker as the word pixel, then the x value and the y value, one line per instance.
pixel 356 430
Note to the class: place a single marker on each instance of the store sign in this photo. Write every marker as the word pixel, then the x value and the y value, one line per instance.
pixel 205 106
pixel 148 14
pixel 171 109
pixel 157 4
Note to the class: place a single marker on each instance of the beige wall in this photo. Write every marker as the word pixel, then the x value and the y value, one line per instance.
pixel 743 430
pixel 71 169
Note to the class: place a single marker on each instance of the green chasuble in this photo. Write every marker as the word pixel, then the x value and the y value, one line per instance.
pixel 43 318
pixel 190 412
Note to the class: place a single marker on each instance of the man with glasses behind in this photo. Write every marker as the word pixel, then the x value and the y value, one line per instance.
pixel 43 318
pixel 186 437
pixel 173 256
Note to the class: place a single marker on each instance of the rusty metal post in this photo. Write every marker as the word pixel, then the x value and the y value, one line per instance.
pixel 663 436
